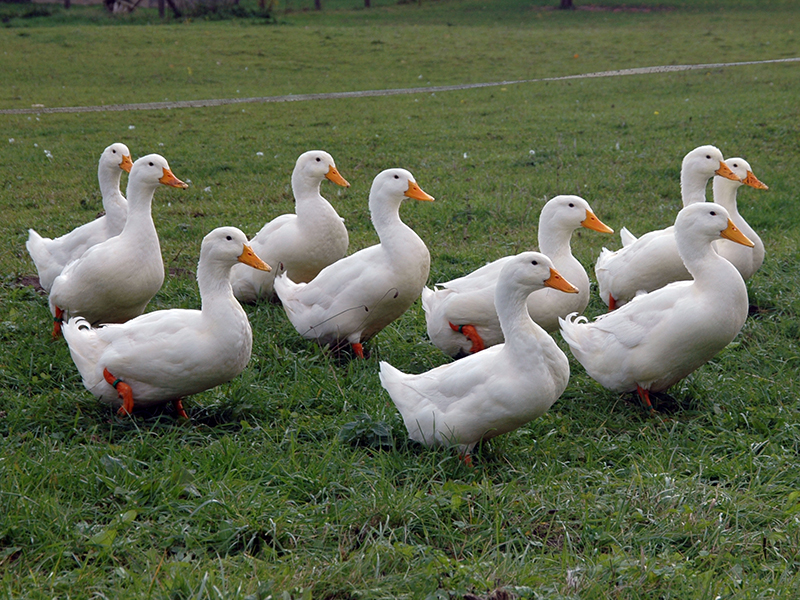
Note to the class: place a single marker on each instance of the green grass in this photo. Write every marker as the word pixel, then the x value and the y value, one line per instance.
pixel 297 479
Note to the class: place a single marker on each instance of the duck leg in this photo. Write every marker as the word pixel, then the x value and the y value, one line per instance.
pixel 124 391
pixel 178 404
pixel 358 348
pixel 469 332
pixel 465 454
pixel 57 320
pixel 612 303
pixel 644 396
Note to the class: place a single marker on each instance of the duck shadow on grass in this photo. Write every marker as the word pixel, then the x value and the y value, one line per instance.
pixel 215 416
pixel 663 404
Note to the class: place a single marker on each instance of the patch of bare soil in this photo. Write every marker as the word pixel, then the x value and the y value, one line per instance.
pixel 29 280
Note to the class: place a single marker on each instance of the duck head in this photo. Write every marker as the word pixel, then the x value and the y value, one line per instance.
pixel 316 165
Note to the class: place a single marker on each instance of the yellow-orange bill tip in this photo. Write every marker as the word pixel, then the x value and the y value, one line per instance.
pixel 334 176
pixel 556 281
pixel 725 171
pixel 592 222
pixel 126 164
pixel 733 234
pixel 416 192
pixel 753 182
pixel 169 179
pixel 251 259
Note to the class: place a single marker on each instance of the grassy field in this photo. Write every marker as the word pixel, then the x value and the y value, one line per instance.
pixel 297 479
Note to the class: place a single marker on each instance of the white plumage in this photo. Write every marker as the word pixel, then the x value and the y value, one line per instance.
pixel 354 298
pixel 52 255
pixel 114 280
pixel 305 242
pixel 494 391
pixel 652 261
pixel 169 354
pixel 746 260
pixel 469 300
pixel 660 337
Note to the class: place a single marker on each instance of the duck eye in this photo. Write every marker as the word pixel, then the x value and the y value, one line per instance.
pixel 151 164
pixel 113 151
pixel 319 159
pixel 533 262
pixel 571 205
pixel 397 176
pixel 713 213
pixel 708 156
pixel 229 238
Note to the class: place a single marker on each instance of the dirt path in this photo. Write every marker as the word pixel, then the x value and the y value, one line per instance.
pixel 373 93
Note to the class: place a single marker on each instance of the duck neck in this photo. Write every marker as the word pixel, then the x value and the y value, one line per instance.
pixel 140 201
pixel 554 240
pixel 387 223
pixel 702 261
pixel 693 187
pixel 307 199
pixel 725 191
pixel 512 310
pixel 109 186
pixel 214 282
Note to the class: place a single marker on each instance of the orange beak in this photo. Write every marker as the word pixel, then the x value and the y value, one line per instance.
pixel 169 179
pixel 250 258
pixel 733 234
pixel 126 164
pixel 753 182
pixel 334 176
pixel 556 281
pixel 725 171
pixel 592 222
pixel 415 192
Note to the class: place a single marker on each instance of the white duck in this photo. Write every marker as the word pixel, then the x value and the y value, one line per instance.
pixel 305 242
pixel 660 337
pixel 114 280
pixel 652 261
pixel 52 255
pixel 497 390
pixel 746 260
pixel 354 298
pixel 461 316
pixel 167 355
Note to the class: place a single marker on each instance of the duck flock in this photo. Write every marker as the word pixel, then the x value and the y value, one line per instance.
pixel 676 297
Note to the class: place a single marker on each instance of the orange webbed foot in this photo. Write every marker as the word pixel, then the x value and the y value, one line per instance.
pixel 124 391
pixel 471 334
pixel 358 349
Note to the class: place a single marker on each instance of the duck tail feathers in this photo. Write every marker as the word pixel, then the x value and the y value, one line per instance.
pixel 44 261
pixel 626 237
pixel 570 327
pixel 605 255
pixel 85 346
pixel 426 298
pixel 392 380
pixel 283 286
